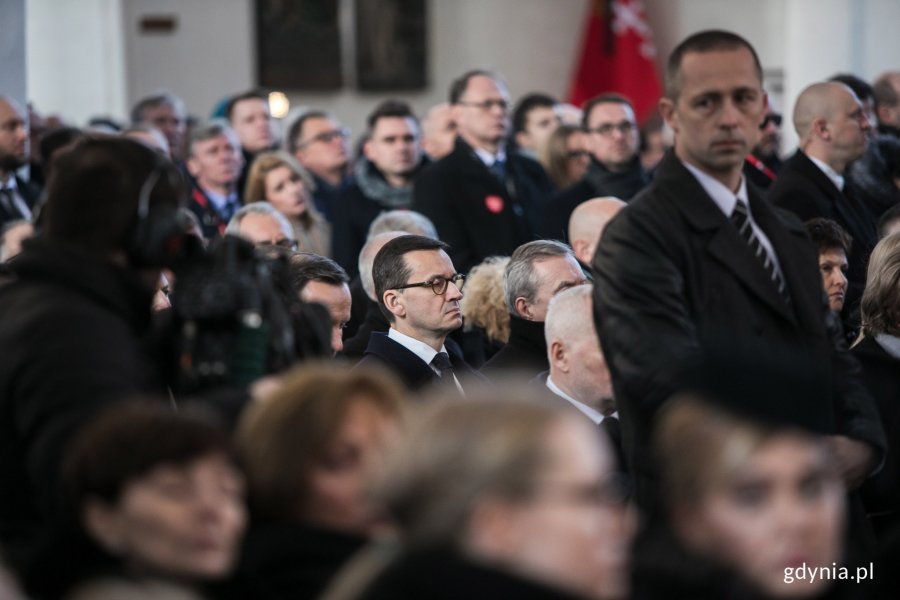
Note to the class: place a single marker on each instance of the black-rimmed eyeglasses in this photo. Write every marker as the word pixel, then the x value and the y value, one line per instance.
pixel 438 284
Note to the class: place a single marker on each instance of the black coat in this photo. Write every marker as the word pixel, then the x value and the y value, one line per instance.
pixel 597 182
pixel 673 275
pixel 806 191
pixel 29 194
pixel 355 346
pixel 881 374
pixel 473 211
pixel 524 353
pixel 71 329
pixel 412 370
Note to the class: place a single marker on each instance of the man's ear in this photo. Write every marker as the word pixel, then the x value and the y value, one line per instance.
pixel 667 112
pixel 102 523
pixel 523 308
pixel 393 301
pixel 820 129
pixel 559 356
pixel 521 138
pixel 581 249
pixel 367 150
pixel 192 166
pixel 492 529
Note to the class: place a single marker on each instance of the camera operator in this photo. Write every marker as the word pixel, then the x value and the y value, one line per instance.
pixel 74 314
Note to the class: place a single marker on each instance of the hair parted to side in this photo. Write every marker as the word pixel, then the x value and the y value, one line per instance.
pixel 606 98
pixel 295 130
pixel 711 40
pixel 520 280
pixel 257 94
pixel 304 267
pixel 160 98
pixel 390 270
pixel 879 308
pixel 526 104
pixel 259 208
pixel 210 130
pixel 391 108
pixel 282 437
pixel 492 443
pixel 461 84
pixel 828 235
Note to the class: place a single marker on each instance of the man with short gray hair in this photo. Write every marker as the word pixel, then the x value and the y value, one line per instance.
pixel 165 112
pixel 535 273
pixel 261 224
pixel 214 161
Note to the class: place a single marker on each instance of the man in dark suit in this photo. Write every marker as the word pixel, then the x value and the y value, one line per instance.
pixel 484 200
pixel 615 168
pixel 833 130
pixel 214 161
pixel 419 291
pixel 17 198
pixel 699 256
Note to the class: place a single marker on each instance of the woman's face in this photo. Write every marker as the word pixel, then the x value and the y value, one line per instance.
pixel 178 520
pixel 286 192
pixel 577 156
pixel 337 483
pixel 781 509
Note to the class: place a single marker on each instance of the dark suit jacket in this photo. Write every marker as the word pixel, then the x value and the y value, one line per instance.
pixel 29 194
pixel 524 352
pixel 473 211
pixel 806 191
pixel 672 275
pixel 414 372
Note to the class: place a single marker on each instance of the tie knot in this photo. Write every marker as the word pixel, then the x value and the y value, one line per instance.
pixel 441 362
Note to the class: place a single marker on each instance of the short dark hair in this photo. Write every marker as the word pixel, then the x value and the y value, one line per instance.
pixel 862 89
pixel 137 112
pixel 129 440
pixel 92 198
pixel 526 104
pixel 710 40
pixel 388 109
pixel 828 235
pixel 296 127
pixel 606 98
pixel 390 271
pixel 55 139
pixel 257 94
pixel 208 131
pixel 884 92
pixel 304 267
pixel 461 83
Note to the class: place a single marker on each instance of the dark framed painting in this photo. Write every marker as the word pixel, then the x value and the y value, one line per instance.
pixel 391 45
pixel 298 45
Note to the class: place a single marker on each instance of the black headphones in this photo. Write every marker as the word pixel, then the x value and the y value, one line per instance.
pixel 158 237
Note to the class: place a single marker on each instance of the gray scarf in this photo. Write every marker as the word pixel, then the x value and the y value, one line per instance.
pixel 374 186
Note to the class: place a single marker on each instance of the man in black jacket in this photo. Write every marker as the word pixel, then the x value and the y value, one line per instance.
pixel 17 199
pixel 699 256
pixel 75 313
pixel 383 178
pixel 615 168
pixel 484 200
pixel 535 273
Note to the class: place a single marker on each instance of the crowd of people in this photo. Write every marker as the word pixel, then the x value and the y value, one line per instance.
pixel 507 351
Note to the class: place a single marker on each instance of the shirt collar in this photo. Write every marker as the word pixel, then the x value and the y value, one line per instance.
pixel 489 159
pixel 724 198
pixel 836 178
pixel 420 349
pixel 10 183
pixel 589 412
pixel 220 201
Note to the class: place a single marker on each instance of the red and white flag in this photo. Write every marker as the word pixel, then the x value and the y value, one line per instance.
pixel 617 55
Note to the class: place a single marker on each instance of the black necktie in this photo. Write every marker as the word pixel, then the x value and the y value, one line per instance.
pixel 741 220
pixel 441 362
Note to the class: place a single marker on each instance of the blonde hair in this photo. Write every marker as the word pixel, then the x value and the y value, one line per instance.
pixel 880 306
pixel 484 304
pixel 266 162
pixel 554 155
pixel 281 437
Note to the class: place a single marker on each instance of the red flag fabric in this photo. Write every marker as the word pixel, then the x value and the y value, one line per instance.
pixel 617 55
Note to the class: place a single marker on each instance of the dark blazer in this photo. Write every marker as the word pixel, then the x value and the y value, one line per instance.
pixel 474 212
pixel 524 352
pixel 673 275
pixel 806 191
pixel 374 320
pixel 414 372
pixel 29 194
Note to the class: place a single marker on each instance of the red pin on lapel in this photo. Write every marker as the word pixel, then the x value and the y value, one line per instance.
pixel 494 204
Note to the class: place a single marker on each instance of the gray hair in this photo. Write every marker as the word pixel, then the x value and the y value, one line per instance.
pixel 367 259
pixel 259 208
pixel 409 221
pixel 210 130
pixel 154 100
pixel 565 319
pixel 520 280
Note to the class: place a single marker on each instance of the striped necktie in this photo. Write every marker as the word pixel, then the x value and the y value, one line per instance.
pixel 741 220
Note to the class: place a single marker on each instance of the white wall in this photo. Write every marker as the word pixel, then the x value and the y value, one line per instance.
pixel 78 52
pixel 12 49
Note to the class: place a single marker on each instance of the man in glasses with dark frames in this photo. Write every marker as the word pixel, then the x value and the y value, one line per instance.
pixel 262 225
pixel 763 163
pixel 615 168
pixel 484 200
pixel 319 143
pixel 418 290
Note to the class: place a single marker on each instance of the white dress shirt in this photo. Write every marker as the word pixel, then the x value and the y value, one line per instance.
pixel 836 178
pixel 422 350
pixel 589 412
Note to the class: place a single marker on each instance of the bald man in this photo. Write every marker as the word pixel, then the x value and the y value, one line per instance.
pixel 438 131
pixel 587 223
pixel 833 130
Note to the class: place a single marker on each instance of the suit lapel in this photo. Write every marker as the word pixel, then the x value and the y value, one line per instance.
pixel 725 243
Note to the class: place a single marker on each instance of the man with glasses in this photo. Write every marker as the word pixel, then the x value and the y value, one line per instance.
pixel 615 168
pixel 319 143
pixel 833 129
pixel 261 224
pixel 484 200
pixel 763 163
pixel 418 290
